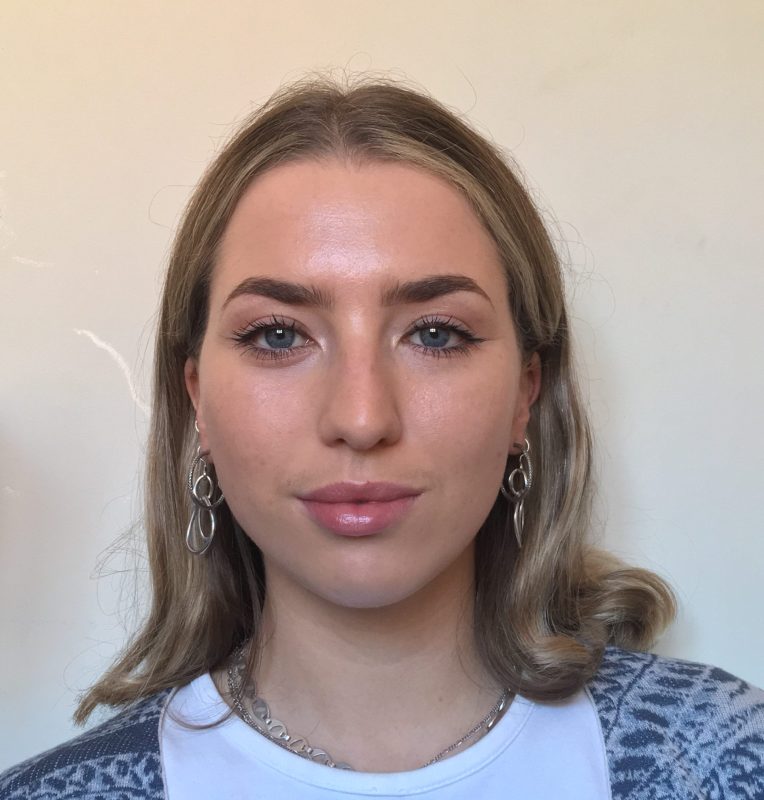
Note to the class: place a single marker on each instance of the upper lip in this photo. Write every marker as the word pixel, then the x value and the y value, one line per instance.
pixel 360 492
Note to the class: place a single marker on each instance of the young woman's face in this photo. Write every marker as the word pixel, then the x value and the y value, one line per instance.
pixel 359 332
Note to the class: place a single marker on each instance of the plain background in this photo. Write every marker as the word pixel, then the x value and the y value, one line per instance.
pixel 639 127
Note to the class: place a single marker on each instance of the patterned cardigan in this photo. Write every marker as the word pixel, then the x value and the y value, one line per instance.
pixel 672 730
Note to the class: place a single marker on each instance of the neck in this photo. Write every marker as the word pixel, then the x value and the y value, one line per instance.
pixel 384 689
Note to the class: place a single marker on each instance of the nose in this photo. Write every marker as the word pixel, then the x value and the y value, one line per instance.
pixel 360 401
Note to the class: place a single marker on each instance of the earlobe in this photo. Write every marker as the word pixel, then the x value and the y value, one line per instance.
pixel 532 374
pixel 191 376
pixel 530 388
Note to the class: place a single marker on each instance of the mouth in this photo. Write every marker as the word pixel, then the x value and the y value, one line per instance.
pixel 349 509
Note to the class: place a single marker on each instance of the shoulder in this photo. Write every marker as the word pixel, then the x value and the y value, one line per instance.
pixel 116 759
pixel 678 729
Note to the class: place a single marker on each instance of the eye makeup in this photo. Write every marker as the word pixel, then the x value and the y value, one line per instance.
pixel 277 330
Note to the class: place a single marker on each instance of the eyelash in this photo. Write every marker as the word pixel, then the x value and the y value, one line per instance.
pixel 244 336
pixel 469 340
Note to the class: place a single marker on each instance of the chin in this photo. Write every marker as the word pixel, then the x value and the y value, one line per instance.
pixel 366 599
pixel 363 595
pixel 383 574
pixel 371 592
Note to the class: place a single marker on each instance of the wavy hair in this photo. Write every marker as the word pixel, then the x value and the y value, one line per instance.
pixel 543 613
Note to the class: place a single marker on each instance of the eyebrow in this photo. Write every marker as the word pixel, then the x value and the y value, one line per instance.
pixel 296 294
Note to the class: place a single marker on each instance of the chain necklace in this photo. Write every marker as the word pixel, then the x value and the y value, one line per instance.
pixel 260 719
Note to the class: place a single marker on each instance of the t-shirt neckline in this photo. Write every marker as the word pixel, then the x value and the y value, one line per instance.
pixel 254 746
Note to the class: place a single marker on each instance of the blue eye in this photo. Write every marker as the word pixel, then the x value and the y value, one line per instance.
pixel 436 333
pixel 279 335
pixel 437 336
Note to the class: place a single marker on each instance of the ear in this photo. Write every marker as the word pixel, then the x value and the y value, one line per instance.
pixel 530 387
pixel 191 376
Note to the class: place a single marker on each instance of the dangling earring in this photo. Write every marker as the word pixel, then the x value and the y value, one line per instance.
pixel 202 488
pixel 519 483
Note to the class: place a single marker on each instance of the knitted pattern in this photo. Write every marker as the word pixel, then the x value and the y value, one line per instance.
pixel 675 730
pixel 117 760
pixel 672 730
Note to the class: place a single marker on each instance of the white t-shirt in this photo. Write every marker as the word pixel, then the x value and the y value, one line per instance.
pixel 536 751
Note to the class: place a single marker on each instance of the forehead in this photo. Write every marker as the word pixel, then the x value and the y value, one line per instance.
pixel 354 226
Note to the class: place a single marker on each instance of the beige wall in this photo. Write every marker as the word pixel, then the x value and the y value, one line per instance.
pixel 639 124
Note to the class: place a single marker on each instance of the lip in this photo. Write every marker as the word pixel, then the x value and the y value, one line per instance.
pixel 359 509
pixel 349 492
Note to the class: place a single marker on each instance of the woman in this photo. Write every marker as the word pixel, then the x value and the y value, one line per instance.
pixel 368 493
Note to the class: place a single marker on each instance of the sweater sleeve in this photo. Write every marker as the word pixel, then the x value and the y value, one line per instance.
pixel 679 730
pixel 115 760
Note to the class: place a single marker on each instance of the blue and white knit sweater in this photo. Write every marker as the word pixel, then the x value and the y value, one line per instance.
pixel 672 730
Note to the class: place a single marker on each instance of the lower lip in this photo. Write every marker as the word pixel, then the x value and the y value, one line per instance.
pixel 359 519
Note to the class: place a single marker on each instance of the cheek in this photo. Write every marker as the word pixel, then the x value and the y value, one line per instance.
pixel 256 429
pixel 468 420
pixel 240 402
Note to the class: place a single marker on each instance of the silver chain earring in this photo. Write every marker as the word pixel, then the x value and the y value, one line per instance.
pixel 203 489
pixel 518 484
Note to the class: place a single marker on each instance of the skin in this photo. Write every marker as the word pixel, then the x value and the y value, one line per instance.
pixel 381 621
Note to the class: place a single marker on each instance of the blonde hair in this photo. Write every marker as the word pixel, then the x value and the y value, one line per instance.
pixel 543 613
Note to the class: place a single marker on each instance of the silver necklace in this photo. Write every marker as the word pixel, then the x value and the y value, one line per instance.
pixel 260 719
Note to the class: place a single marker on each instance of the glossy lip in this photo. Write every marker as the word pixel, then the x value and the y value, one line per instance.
pixel 359 509
pixel 349 492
